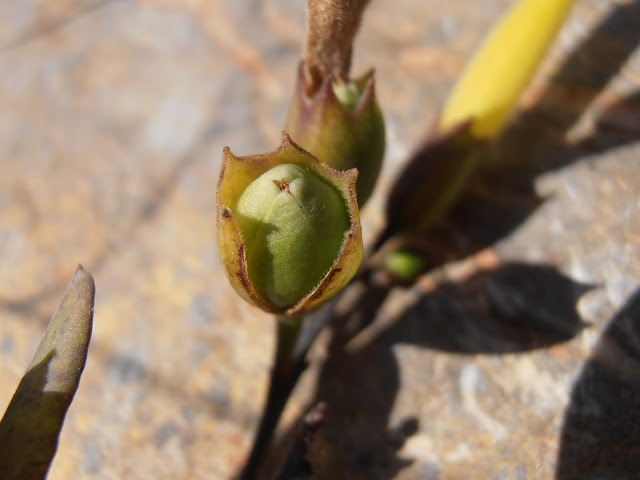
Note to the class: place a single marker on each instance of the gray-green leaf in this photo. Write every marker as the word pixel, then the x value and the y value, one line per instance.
pixel 31 425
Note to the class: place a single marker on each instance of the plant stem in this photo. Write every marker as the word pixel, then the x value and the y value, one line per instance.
pixel 331 28
pixel 284 376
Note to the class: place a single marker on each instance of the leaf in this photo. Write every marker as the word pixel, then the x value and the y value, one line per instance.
pixel 33 420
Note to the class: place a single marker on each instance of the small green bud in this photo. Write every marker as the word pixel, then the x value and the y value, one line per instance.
pixel 342 125
pixel 348 93
pixel 404 265
pixel 288 228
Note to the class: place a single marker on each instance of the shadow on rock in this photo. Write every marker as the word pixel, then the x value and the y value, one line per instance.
pixel 515 308
pixel 601 432
pixel 356 442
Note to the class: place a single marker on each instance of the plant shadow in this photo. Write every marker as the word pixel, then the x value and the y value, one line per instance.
pixel 601 431
pixel 515 308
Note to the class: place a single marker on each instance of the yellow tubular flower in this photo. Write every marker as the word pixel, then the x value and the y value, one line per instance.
pixel 503 66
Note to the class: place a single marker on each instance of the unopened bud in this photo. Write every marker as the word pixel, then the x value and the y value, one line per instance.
pixel 288 228
pixel 341 124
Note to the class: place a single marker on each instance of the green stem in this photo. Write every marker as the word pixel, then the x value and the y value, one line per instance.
pixel 284 376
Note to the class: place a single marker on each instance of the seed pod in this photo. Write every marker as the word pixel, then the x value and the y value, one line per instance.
pixel 342 125
pixel 288 228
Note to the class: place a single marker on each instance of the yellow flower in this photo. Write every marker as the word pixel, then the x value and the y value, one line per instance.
pixel 504 65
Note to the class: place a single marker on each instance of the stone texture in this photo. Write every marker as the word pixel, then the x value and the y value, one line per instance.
pixel 113 116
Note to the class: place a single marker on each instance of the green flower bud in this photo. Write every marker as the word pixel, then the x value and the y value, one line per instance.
pixel 288 228
pixel 404 265
pixel 341 124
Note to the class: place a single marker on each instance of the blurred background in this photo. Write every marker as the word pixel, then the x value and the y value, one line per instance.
pixel 517 357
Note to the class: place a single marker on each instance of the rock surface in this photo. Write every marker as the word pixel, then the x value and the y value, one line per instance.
pixel 518 357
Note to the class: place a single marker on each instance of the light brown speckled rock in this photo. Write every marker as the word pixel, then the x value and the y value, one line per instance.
pixel 113 116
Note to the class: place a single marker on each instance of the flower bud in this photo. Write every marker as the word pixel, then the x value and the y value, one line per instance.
pixel 502 68
pixel 473 115
pixel 341 124
pixel 403 264
pixel 288 228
